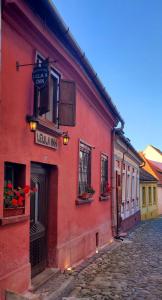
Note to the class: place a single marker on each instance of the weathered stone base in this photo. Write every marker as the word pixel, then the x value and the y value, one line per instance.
pixel 131 221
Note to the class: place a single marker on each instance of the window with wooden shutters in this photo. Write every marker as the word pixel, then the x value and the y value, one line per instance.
pixel 84 167
pixel 104 173
pixel 47 97
pixel 57 100
pixel 67 103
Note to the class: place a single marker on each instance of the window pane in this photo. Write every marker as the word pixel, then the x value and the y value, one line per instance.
pixel 143 197
pixel 150 196
pixel 53 90
pixel 84 168
pixel 104 173
pixel 52 114
pixel 8 174
pixel 154 195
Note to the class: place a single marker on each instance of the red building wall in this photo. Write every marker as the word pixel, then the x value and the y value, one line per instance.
pixel 71 229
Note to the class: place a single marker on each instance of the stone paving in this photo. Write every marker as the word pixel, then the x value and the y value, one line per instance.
pixel 131 271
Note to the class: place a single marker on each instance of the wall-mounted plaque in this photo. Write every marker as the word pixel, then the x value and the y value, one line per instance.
pixel 46 140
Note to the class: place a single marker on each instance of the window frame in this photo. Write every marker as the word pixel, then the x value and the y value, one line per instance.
pixel 150 196
pixel 154 195
pixel 18 171
pixel 105 157
pixel 143 196
pixel 53 73
pixel 89 148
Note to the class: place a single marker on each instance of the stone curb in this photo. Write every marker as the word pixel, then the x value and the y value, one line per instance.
pixel 65 288
pixel 68 285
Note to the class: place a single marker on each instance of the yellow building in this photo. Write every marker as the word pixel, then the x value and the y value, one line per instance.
pixel 148 195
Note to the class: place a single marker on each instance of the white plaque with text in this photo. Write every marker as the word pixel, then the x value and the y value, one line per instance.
pixel 46 140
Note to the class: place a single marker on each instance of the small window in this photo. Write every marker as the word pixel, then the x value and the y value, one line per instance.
pixel 48 96
pixel 14 174
pixel 154 195
pixel 84 168
pixel 14 182
pixel 150 195
pixel 128 187
pixel 104 173
pixel 143 196
pixel 123 186
pixel 52 114
pixel 117 163
pixel 122 207
pixel 56 102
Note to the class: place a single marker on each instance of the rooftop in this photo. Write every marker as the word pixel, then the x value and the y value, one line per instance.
pixel 47 11
pixel 146 176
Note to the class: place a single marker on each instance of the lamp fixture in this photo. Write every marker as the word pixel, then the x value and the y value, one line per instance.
pixel 65 138
pixel 32 122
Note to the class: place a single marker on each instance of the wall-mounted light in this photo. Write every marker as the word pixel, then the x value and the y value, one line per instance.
pixel 65 138
pixel 32 122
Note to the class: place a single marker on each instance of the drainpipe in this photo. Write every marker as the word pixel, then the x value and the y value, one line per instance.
pixel 113 179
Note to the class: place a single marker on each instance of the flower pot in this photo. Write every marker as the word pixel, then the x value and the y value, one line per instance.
pixel 85 195
pixel 105 194
pixel 10 211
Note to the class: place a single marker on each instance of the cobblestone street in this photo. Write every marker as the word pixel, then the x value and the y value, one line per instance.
pixel 131 271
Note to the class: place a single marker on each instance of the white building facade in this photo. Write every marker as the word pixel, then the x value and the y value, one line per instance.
pixel 126 165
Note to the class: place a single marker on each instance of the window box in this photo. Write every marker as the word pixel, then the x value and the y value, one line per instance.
pixel 80 201
pixel 10 212
pixel 13 220
pixel 85 196
pixel 104 197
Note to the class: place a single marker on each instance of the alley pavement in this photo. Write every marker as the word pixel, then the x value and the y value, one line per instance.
pixel 131 271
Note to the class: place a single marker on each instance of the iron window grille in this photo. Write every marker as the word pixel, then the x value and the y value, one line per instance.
pixel 84 167
pixel 104 173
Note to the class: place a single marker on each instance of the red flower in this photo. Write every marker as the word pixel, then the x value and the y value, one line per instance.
pixel 109 188
pixel 20 201
pixel 9 185
pixel 14 202
pixel 26 189
pixel 9 193
pixel 17 194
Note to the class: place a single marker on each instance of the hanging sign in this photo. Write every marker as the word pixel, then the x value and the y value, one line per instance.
pixel 46 140
pixel 40 75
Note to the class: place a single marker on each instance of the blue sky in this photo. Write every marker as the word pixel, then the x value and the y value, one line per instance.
pixel 123 41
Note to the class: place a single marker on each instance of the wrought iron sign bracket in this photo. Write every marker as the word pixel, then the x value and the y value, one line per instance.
pixel 18 65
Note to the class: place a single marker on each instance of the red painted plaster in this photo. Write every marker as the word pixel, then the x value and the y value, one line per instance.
pixel 71 229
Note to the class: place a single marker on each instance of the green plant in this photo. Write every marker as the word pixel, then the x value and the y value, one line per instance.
pixel 90 190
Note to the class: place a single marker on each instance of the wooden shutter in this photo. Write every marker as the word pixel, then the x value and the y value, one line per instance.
pixel 67 103
pixel 45 98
